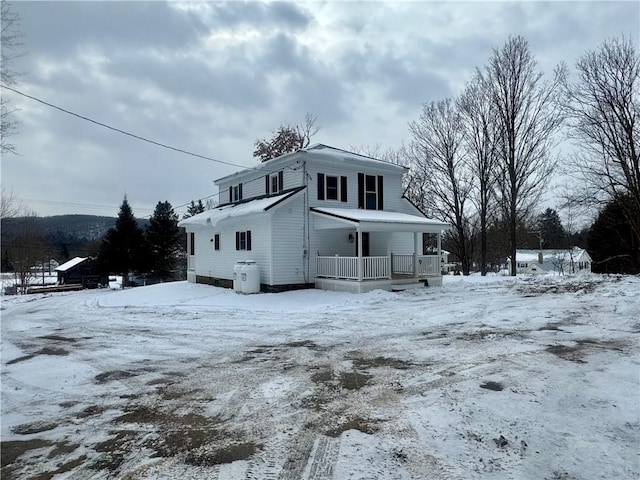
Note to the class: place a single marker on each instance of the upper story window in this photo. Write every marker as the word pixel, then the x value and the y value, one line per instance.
pixel 274 183
pixel 235 193
pixel 370 192
pixel 216 241
pixel 332 187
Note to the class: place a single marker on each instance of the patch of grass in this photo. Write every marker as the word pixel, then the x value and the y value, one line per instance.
pixel 377 362
pixel 91 410
pixel 58 338
pixel 21 359
pixel 52 351
pixel 63 448
pixel 34 427
pixel 113 375
pixel 229 454
pixel 353 380
pixel 490 385
pixel 323 376
pixel 64 468
pixel 10 451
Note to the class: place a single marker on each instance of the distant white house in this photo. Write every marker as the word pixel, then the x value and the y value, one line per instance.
pixel 320 217
pixel 552 261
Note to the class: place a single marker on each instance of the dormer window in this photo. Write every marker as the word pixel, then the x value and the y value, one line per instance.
pixel 235 193
pixel 274 183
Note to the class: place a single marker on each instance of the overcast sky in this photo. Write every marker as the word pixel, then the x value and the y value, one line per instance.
pixel 211 78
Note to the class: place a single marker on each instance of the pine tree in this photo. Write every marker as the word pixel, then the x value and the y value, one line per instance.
pixel 123 249
pixel 164 240
pixel 552 232
pixel 612 243
pixel 194 209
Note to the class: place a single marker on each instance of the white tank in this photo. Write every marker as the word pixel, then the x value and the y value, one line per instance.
pixel 250 277
pixel 237 273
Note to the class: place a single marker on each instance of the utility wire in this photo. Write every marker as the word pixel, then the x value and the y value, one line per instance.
pixel 121 131
pixel 138 137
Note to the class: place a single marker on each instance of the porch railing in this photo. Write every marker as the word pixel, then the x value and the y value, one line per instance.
pixel 427 265
pixel 375 268
pixel 346 268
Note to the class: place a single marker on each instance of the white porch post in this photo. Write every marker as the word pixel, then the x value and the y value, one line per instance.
pixel 389 255
pixel 360 266
pixel 416 271
pixel 440 252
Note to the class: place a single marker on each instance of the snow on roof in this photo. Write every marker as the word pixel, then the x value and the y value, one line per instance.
pixel 71 263
pixel 215 215
pixel 380 218
pixel 550 255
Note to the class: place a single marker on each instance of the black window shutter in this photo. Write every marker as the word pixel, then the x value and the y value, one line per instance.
pixel 266 184
pixel 230 194
pixel 248 239
pixel 237 240
pixel 240 191
pixel 361 192
pixel 321 186
pixel 343 189
pixel 380 193
pixel 193 243
pixel 280 180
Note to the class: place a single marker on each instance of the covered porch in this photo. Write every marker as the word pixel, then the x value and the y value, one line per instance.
pixel 387 247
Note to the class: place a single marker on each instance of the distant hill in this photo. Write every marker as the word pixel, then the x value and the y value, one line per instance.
pixel 68 236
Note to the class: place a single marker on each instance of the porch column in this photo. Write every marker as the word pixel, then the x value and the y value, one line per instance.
pixel 389 255
pixel 360 266
pixel 416 245
pixel 439 271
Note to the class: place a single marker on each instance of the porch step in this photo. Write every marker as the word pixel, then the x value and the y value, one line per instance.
pixel 399 287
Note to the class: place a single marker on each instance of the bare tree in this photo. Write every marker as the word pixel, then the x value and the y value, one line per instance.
pixel 25 249
pixel 436 154
pixel 481 134
pixel 287 139
pixel 603 106
pixel 10 204
pixel 529 113
pixel 10 44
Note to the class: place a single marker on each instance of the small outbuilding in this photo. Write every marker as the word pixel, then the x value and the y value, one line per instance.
pixel 81 271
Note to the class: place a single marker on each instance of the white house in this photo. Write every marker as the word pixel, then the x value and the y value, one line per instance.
pixel 558 261
pixel 320 217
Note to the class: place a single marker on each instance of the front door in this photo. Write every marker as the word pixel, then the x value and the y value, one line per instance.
pixel 365 244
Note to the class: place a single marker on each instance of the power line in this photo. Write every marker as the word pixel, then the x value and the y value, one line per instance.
pixel 138 137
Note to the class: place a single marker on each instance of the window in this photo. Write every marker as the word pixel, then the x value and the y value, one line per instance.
pixel 273 183
pixel 192 243
pixel 370 192
pixel 243 240
pixel 216 241
pixel 235 193
pixel 332 187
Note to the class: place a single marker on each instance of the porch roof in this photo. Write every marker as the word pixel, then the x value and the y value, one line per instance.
pixel 212 217
pixel 377 220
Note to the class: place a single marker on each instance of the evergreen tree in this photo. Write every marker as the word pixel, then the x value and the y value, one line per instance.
pixel 552 232
pixel 164 240
pixel 123 249
pixel 612 243
pixel 194 209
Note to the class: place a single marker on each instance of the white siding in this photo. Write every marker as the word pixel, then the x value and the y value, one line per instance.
pixel 288 232
pixel 219 263
pixel 253 182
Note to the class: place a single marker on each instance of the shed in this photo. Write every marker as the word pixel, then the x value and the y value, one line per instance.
pixel 81 271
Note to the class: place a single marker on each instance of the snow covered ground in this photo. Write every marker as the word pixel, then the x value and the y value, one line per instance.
pixel 497 378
